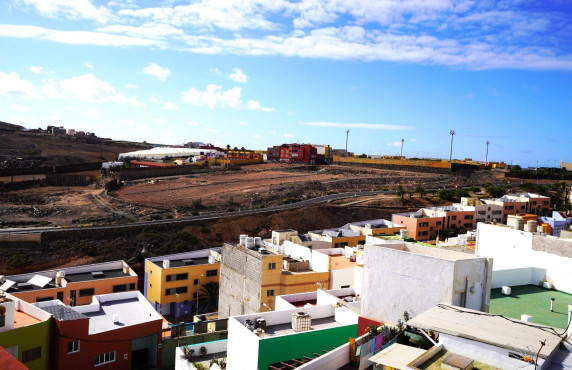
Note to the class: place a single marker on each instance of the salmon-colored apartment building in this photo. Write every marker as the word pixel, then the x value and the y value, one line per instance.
pixel 427 223
pixel 73 286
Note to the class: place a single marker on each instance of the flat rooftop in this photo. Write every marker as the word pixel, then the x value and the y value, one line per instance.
pixel 435 362
pixel 22 319
pixel 130 312
pixel 190 262
pixel 286 328
pixel 532 300
pixel 335 232
pixel 341 262
pixel 87 276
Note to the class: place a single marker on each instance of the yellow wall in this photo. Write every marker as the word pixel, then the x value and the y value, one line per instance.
pixel 270 280
pixel 157 281
pixel 398 162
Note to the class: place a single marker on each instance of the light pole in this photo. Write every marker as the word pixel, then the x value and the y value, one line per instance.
pixel 347 136
pixel 177 309
pixel 487 156
pixel 452 132
pixel 402 141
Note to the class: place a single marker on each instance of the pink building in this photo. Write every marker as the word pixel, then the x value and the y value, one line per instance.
pixel 427 223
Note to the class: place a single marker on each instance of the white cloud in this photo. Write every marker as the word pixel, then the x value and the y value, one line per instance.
pixel 135 102
pixel 215 71
pixel 18 107
pixel 49 89
pixel 412 140
pixel 153 100
pixel 90 88
pixel 156 70
pixel 158 120
pixel 372 126
pixel 127 122
pixel 36 69
pixel 152 30
pixel 255 105
pixel 396 144
pixel 256 136
pixel 74 37
pixel 242 123
pixel 238 75
pixel 213 96
pixel 287 135
pixel 71 9
pixel 193 123
pixel 169 106
pixel 213 130
pixel 87 65
pixel 132 86
pixel 12 85
pixel 91 114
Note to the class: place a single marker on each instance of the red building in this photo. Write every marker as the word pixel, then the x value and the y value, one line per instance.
pixel 115 331
pixel 298 153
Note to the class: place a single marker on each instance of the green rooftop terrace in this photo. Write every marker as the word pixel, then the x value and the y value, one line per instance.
pixel 532 300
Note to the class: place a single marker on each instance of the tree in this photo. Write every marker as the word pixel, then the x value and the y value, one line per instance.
pixel 242 148
pixel 400 191
pixel 228 146
pixel 421 191
pixel 410 193
pixel 445 194
pixel 208 297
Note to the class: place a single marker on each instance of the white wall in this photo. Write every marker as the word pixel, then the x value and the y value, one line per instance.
pixel 281 304
pixel 297 251
pixel 358 279
pixel 397 280
pixel 494 356
pixel 345 316
pixel 342 277
pixel 320 260
pixel 242 347
pixel 513 249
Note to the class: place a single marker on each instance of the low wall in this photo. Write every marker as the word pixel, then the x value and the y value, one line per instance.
pixel 171 351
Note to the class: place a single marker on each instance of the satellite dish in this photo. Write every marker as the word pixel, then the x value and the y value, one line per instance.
pixel 2 310
pixel 2 279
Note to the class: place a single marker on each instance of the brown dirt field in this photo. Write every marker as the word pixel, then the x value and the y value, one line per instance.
pixel 213 188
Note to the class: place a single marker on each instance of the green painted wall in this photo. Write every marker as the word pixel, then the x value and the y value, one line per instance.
pixel 287 347
pixel 28 337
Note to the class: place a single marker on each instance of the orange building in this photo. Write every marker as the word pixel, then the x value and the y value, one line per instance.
pixel 73 285
pixel 427 223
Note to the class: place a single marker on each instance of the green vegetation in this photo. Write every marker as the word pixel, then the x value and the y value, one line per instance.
pixel 187 237
pixel 18 260
pixel 289 200
pixel 197 203
pixel 208 297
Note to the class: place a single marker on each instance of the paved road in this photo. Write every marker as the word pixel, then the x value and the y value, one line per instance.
pixel 209 216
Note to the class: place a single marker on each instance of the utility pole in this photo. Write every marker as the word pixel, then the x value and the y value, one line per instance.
pixel 402 141
pixel 487 156
pixel 347 135
pixel 452 132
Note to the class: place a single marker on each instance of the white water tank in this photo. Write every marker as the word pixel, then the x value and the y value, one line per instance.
pixel 59 276
pixel 166 264
pixel 403 234
pixel 249 242
pixel 532 226
pixel 257 240
pixel 115 318
pixel 242 239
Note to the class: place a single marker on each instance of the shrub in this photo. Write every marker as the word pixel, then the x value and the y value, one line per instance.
pixel 18 260
pixel 445 194
pixel 197 203
pixel 187 237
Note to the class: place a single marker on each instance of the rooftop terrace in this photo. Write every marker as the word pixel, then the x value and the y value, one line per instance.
pixel 534 301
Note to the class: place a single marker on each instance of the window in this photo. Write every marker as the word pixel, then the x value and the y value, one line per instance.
pixel 195 295
pixel 544 202
pixel 178 290
pixel 32 354
pixel 509 207
pixel 73 346
pixel 481 212
pixel 345 286
pixel 497 212
pixel 468 217
pixel 423 233
pixel 468 225
pixel 453 217
pixel 212 272
pixel 175 277
pixel 423 224
pixel 272 266
pixel 270 293
pixel 522 207
pixel 86 292
pixel 104 358
pixel 2 321
pixel 438 223
pixel 43 299
pixel 480 220
pixel 196 282
pixel 119 288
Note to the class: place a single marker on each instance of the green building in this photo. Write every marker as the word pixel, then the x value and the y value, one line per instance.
pixel 25 332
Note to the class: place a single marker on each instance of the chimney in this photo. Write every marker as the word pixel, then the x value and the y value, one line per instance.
pixel 115 318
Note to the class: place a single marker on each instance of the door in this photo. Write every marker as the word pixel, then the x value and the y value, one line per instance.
pixel 139 358
pixel 72 297
pixel 60 296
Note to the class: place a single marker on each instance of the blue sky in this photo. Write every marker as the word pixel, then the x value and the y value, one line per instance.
pixel 257 73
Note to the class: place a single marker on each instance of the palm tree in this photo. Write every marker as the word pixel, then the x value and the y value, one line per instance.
pixel 208 297
pixel 421 191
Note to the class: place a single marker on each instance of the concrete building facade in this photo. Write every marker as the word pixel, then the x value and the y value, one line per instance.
pixel 401 276
pixel 427 223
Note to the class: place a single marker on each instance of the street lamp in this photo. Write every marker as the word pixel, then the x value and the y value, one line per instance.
pixel 177 309
pixel 347 136
pixel 452 132
pixel 487 156
pixel 402 141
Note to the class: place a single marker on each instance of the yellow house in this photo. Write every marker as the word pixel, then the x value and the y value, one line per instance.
pixel 354 233
pixel 173 282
